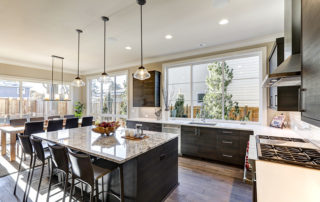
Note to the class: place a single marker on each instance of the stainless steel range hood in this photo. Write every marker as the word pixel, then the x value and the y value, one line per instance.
pixel 288 73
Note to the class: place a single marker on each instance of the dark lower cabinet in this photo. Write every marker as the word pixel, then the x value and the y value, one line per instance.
pixel 215 144
pixel 145 125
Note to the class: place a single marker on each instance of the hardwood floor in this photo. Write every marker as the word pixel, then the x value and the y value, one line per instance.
pixel 199 181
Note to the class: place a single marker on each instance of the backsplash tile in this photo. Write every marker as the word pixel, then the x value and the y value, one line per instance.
pixel 305 130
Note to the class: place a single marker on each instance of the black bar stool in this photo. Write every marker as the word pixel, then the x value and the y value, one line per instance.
pixel 42 155
pixel 72 123
pixel 53 117
pixel 87 121
pixel 54 125
pixel 33 127
pixel 88 173
pixel 69 116
pixel 59 163
pixel 26 149
pixel 36 119
pixel 18 122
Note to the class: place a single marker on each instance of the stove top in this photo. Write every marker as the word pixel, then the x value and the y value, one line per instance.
pixel 302 156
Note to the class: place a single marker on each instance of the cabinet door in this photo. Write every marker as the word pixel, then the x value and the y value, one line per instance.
pixel 207 142
pixel 311 61
pixel 189 141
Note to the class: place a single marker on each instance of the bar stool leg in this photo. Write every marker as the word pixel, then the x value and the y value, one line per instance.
pixel 40 180
pixel 25 195
pixel 102 189
pixel 49 188
pixel 30 180
pixel 71 190
pixel 91 194
pixel 121 183
pixel 97 190
pixel 82 191
pixel 65 187
pixel 15 187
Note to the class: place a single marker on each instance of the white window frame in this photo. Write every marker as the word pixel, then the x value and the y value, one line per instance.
pixel 261 52
pixel 35 80
pixel 102 115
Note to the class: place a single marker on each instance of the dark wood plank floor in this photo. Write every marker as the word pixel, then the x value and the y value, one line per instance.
pixel 199 181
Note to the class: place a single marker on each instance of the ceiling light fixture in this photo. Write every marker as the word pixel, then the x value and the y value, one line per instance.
pixel 142 73
pixel 128 48
pixel 168 36
pixel 104 76
pixel 78 82
pixel 223 21
pixel 202 44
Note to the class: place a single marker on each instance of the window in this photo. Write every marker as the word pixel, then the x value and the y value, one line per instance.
pixel 28 102
pixel 108 101
pixel 224 89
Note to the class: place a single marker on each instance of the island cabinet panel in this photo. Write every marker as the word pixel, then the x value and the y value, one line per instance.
pixel 158 172
pixel 215 144
pixel 146 93
pixel 145 125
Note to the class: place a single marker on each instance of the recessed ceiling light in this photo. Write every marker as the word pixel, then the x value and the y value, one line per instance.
pixel 168 36
pixel 202 44
pixel 128 48
pixel 223 21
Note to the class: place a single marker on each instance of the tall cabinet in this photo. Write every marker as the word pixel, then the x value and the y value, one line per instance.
pixel 310 93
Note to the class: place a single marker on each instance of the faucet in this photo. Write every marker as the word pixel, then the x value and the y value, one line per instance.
pixel 202 114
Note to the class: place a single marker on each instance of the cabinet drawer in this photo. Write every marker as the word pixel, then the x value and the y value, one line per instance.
pixel 228 142
pixel 230 157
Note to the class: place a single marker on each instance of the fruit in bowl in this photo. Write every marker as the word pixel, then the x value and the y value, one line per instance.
pixel 106 127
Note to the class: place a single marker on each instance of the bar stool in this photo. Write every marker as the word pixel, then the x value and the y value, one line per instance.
pixel 54 125
pixel 84 171
pixel 42 155
pixel 87 121
pixel 59 163
pixel 53 117
pixel 72 123
pixel 33 127
pixel 26 149
pixel 69 116
pixel 36 119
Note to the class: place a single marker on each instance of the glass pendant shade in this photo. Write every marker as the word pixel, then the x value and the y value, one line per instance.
pixel 77 82
pixel 141 74
pixel 66 97
pixel 104 78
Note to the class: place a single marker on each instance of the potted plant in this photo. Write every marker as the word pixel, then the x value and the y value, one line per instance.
pixel 78 109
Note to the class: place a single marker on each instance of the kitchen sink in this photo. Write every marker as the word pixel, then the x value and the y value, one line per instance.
pixel 203 123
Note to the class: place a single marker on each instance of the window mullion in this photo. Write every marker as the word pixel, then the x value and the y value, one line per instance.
pixel 223 62
pixel 191 91
pixel 115 97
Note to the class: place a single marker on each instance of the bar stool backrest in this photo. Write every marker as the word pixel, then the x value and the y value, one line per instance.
pixel 72 123
pixel 87 121
pixel 54 125
pixel 38 148
pixel 59 157
pixel 25 144
pixel 53 117
pixel 36 119
pixel 69 116
pixel 81 167
pixel 18 122
pixel 33 127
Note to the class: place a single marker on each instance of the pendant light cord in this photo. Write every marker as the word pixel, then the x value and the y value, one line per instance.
pixel 141 36
pixel 52 89
pixel 104 48
pixel 78 51
pixel 62 73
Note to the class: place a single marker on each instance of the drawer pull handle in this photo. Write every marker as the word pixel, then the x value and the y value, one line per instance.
pixel 162 156
pixel 226 132
pixel 226 142
pixel 225 155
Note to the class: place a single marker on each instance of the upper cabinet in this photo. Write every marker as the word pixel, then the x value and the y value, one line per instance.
pixel 146 93
pixel 310 92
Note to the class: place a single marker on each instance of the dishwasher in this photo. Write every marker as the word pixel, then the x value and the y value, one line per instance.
pixel 175 129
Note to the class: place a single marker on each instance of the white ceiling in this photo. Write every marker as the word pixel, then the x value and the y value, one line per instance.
pixel 31 31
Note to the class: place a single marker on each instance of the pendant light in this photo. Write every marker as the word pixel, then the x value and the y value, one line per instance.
pixel 104 76
pixel 142 73
pixel 56 96
pixel 78 82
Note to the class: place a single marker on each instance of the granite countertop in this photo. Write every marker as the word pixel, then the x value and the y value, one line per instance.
pixel 113 148
pixel 257 129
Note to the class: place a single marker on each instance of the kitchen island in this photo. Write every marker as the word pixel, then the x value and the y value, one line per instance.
pixel 148 167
